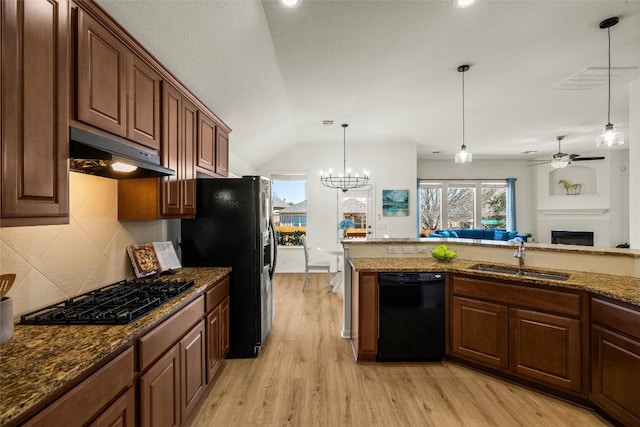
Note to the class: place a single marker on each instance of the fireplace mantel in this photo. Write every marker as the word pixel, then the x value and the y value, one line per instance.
pixel 577 211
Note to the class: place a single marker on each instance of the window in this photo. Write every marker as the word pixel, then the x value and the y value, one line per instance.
pixel 468 204
pixel 354 208
pixel 289 201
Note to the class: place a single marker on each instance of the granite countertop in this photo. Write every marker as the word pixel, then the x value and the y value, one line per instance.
pixel 40 360
pixel 622 288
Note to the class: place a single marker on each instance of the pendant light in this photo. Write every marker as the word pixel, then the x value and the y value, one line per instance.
pixel 463 156
pixel 610 135
pixel 344 181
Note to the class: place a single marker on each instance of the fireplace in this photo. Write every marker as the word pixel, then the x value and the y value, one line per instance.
pixel 581 238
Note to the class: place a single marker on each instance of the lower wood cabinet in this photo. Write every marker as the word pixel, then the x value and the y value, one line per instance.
pixel 480 331
pixel 217 331
pixel 533 333
pixel 160 391
pixel 615 360
pixel 364 315
pixel 193 379
pixel 84 404
pixel 546 347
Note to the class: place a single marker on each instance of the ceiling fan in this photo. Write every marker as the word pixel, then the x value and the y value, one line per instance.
pixel 560 159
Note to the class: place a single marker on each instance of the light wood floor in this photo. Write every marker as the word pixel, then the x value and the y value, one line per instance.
pixel 305 375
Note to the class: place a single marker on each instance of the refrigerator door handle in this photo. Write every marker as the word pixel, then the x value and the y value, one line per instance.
pixel 274 250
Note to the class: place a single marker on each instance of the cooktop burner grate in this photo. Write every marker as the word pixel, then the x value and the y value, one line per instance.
pixel 118 303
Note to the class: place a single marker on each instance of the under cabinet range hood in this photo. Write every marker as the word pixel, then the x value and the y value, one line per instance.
pixel 95 154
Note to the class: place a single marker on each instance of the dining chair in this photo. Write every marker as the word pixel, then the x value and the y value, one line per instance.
pixel 314 266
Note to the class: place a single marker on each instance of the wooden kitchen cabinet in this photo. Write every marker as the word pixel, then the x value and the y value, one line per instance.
pixel 527 332
pixel 171 359
pixel 193 378
pixel 160 391
pixel 480 331
pixel 364 315
pixel 213 147
pixel 217 306
pixel 116 90
pixel 172 196
pixel 546 347
pixel 615 360
pixel 35 112
pixel 83 404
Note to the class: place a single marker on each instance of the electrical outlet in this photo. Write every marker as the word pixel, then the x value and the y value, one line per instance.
pixel 392 249
pixel 422 249
pixel 408 250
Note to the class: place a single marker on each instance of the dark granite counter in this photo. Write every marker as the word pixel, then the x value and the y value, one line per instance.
pixel 41 360
pixel 622 288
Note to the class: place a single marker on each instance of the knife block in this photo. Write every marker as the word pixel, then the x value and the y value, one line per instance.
pixel 6 319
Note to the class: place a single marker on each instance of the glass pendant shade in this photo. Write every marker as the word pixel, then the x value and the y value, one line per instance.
pixel 559 163
pixel 463 156
pixel 610 137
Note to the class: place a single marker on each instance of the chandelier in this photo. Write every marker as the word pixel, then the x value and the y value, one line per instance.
pixel 344 181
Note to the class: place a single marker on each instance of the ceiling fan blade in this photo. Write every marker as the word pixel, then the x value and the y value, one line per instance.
pixel 587 158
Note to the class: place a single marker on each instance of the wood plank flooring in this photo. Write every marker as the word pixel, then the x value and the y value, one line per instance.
pixel 305 375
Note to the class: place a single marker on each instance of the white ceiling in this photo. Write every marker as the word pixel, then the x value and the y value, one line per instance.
pixel 389 69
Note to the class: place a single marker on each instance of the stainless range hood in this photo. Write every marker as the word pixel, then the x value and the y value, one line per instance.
pixel 94 154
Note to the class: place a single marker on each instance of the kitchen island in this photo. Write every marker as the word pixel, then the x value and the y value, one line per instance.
pixel 40 363
pixel 574 334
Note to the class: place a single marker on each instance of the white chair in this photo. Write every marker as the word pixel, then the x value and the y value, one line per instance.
pixel 314 266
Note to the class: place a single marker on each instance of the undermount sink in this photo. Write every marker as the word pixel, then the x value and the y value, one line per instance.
pixel 517 272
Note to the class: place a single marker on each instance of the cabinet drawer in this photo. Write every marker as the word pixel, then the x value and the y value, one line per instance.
pixel 519 295
pixel 82 403
pixel 214 296
pixel 155 343
pixel 615 316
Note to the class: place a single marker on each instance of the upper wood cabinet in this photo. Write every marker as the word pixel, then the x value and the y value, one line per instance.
pixel 35 112
pixel 213 147
pixel 116 90
pixel 179 133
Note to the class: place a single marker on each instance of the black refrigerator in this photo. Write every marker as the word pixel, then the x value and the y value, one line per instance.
pixel 233 228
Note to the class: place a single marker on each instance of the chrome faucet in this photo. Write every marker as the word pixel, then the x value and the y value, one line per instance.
pixel 519 253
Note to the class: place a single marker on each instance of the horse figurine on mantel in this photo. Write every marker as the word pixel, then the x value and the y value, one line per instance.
pixel 571 187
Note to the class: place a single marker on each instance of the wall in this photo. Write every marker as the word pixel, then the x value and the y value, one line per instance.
pixel 53 263
pixel 391 166
pixel 634 164
pixel 491 169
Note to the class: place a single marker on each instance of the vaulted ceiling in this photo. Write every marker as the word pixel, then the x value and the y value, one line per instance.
pixel 389 69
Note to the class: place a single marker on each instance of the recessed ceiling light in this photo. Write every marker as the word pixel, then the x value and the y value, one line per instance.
pixel 327 123
pixel 290 3
pixel 461 4
pixel 437 152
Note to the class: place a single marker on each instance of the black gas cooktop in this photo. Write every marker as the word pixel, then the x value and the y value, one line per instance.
pixel 118 303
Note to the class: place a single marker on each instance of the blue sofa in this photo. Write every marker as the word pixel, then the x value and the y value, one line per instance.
pixel 479 233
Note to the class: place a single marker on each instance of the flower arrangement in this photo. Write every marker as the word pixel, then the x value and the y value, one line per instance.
pixel 346 223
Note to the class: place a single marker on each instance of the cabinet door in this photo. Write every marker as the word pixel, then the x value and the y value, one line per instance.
pixel 224 328
pixel 615 374
pixel 206 161
pixel 102 77
pixel 143 103
pixel 188 173
pixel 546 348
pixel 213 343
pixel 121 413
pixel 171 149
pixel 222 152
pixel 160 392
pixel 368 316
pixel 34 112
pixel 479 331
pixel 192 369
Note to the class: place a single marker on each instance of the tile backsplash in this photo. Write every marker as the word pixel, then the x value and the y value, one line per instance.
pixel 56 262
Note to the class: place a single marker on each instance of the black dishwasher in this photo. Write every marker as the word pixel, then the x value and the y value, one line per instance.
pixel 411 317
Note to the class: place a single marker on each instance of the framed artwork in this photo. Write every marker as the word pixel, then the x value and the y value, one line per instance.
pixel 395 202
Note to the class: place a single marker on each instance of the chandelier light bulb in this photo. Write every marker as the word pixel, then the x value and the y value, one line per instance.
pixel 461 4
